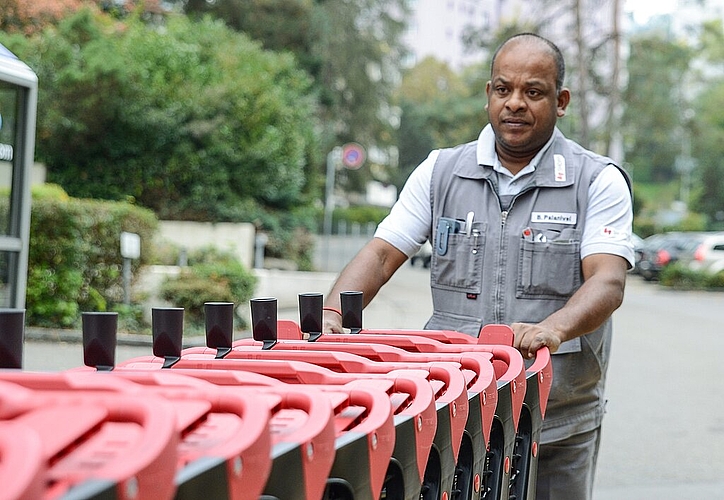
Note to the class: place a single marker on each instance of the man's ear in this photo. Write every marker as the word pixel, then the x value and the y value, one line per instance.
pixel 487 94
pixel 564 98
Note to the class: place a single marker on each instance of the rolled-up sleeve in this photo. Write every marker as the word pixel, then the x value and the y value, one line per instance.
pixel 609 217
pixel 407 226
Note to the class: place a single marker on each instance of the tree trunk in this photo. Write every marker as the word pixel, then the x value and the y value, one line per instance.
pixel 581 52
pixel 614 141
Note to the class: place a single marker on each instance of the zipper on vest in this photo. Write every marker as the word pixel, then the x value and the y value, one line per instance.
pixel 499 282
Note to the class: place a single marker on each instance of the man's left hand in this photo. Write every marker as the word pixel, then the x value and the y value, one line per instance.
pixel 529 338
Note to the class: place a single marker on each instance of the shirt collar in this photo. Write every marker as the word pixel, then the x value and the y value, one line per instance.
pixel 487 157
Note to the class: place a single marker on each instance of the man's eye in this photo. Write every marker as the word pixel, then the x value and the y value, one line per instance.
pixel 501 90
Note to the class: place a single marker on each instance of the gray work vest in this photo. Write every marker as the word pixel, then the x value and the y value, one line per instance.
pixel 518 260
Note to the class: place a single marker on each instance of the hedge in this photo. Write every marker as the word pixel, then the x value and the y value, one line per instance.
pixel 211 276
pixel 74 261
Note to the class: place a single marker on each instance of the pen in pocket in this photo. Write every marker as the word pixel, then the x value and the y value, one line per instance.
pixel 469 223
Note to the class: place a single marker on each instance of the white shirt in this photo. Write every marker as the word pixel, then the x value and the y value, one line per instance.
pixel 608 218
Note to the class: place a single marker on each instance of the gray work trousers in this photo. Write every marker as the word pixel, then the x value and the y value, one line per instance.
pixel 566 468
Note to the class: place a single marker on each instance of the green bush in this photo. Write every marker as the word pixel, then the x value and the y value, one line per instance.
pixel 361 214
pixel 715 281
pixel 210 277
pixel 74 261
pixel 49 192
pixel 679 276
pixel 290 235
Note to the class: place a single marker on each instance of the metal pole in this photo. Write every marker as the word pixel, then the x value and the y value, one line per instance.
pixel 127 281
pixel 329 191
pixel 332 160
pixel 260 242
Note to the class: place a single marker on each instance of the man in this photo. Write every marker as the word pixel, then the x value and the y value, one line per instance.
pixel 528 229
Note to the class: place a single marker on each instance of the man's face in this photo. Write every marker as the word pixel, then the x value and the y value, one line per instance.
pixel 523 105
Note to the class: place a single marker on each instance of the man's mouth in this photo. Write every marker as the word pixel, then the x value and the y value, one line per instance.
pixel 514 122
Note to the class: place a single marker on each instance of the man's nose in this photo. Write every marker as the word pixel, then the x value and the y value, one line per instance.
pixel 516 101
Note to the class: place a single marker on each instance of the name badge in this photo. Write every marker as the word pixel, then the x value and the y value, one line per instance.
pixel 554 217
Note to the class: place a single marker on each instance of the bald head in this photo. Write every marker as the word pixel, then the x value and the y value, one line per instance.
pixel 539 43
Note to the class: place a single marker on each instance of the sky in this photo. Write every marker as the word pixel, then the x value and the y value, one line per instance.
pixel 644 9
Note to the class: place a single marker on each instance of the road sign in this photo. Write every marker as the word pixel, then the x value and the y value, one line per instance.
pixel 353 155
pixel 130 245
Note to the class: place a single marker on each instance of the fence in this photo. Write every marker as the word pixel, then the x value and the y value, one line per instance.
pixel 332 252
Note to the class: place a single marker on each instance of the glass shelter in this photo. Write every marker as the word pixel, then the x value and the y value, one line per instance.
pixel 18 106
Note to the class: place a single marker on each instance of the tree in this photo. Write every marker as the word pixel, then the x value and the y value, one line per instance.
pixel 656 68
pixel 31 16
pixel 352 49
pixel 587 34
pixel 708 128
pixel 281 25
pixel 28 16
pixel 439 109
pixel 193 121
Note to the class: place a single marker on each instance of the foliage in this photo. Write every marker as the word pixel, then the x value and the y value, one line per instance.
pixel 489 40
pixel 654 196
pixel 652 120
pixel 289 231
pixel 679 276
pixel 191 120
pixel 185 120
pixel 352 51
pixel 440 108
pixel 130 317
pixel 210 277
pixel 31 16
pixel 74 259
pixel 716 281
pixel 692 221
pixel 708 134
pixel 27 16
pixel 281 25
pixel 360 214
pixel 644 226
pixel 415 141
pixel 588 47
pixel 49 191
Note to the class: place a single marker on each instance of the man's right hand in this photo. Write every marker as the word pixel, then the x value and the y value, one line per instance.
pixel 331 322
pixel 367 272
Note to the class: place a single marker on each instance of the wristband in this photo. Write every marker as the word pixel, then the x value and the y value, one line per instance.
pixel 333 309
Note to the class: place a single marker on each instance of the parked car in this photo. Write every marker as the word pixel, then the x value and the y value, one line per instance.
pixel 423 255
pixel 708 254
pixel 663 249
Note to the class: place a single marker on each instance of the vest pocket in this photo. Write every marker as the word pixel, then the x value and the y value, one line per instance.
pixel 549 269
pixel 461 267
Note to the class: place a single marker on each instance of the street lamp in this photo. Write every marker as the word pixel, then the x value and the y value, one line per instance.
pixel 684 162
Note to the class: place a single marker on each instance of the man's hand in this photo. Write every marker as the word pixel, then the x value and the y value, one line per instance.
pixel 529 338
pixel 375 263
pixel 600 295
pixel 331 322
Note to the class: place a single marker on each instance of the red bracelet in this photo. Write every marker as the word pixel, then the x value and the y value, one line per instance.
pixel 333 309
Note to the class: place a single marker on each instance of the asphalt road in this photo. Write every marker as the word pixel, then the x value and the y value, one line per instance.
pixel 664 430
pixel 663 434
